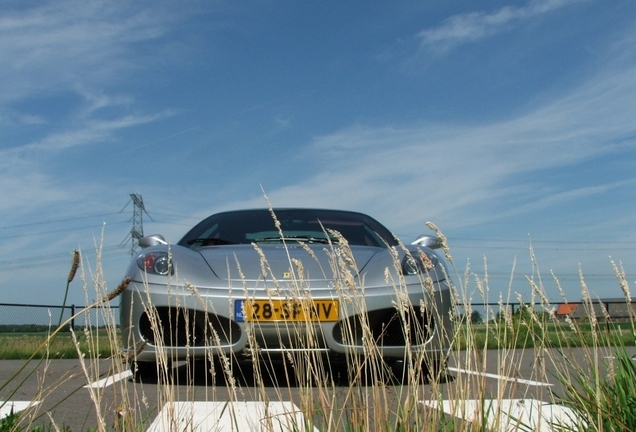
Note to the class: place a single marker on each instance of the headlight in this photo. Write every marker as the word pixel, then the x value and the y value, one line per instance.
pixel 418 263
pixel 155 263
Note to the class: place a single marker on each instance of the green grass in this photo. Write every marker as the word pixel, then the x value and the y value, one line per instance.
pixel 494 336
pixel 22 346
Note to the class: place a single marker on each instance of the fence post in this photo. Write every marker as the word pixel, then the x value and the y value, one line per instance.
pixel 73 315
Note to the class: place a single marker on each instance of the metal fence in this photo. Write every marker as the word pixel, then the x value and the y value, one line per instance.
pixel 15 314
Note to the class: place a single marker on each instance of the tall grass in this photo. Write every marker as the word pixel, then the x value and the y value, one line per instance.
pixel 364 394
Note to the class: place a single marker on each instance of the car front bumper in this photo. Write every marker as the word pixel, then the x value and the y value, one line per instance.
pixel 183 322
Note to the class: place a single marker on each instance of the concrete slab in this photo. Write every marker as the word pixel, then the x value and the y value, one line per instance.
pixel 15 406
pixel 229 416
pixel 508 415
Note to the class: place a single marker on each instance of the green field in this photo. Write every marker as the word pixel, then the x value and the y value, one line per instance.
pixel 549 335
pixel 492 335
pixel 15 345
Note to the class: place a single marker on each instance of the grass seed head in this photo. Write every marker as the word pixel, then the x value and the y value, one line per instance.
pixel 117 291
pixel 442 240
pixel 74 267
pixel 622 280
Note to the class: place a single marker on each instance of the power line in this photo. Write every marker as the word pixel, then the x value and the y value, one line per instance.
pixel 26 263
pixel 177 215
pixel 54 255
pixel 530 241
pixel 56 221
pixel 57 231
pixel 543 248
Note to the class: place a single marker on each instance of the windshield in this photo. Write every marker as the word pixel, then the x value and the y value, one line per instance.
pixel 301 225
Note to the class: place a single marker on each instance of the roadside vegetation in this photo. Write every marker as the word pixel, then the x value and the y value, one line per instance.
pixel 524 332
pixel 22 346
pixel 16 344
pixel 598 385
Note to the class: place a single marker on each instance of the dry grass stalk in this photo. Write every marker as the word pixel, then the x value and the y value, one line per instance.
pixel 367 402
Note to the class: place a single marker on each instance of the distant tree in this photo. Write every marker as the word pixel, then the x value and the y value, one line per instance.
pixel 500 317
pixel 24 328
pixel 475 317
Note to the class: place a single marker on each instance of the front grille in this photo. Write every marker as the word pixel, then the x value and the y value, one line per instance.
pixel 176 327
pixel 386 327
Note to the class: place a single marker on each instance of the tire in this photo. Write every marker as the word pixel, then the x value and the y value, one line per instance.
pixel 432 369
pixel 144 371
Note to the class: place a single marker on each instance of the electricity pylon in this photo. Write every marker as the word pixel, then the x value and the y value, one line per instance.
pixel 137 230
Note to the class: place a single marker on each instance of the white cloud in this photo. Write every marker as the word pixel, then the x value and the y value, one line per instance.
pixel 473 26
pixel 27 181
pixel 61 45
pixel 28 190
pixel 59 60
pixel 468 174
pixel 402 174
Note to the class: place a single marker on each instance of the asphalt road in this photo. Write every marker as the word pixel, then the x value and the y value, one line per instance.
pixel 60 386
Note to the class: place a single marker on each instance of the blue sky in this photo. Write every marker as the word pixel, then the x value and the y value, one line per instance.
pixel 505 123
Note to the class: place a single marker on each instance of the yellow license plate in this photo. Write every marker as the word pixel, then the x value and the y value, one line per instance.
pixel 290 310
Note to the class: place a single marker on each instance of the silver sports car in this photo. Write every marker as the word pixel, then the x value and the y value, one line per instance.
pixel 267 282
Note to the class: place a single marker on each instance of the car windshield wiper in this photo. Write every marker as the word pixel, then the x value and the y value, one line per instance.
pixel 209 241
pixel 300 238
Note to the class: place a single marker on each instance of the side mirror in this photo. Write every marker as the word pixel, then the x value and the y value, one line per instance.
pixel 152 240
pixel 428 241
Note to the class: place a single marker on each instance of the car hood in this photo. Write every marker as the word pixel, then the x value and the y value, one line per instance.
pixel 245 262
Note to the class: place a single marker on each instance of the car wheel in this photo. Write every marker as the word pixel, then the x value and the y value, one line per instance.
pixel 432 370
pixel 144 371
